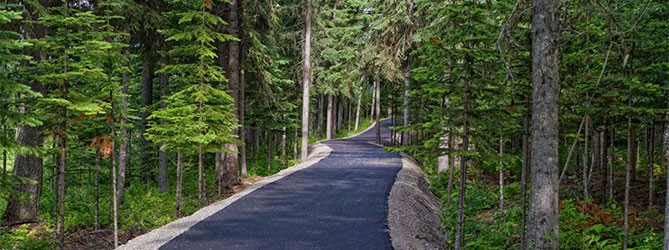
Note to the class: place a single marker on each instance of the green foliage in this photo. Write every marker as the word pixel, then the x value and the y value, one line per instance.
pixel 22 238
pixel 199 114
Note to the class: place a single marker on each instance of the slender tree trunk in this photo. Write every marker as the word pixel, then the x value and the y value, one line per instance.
pixel 115 192
pixel 124 140
pixel 283 144
pixel 586 151
pixel 179 184
pixel 666 199
pixel 357 111
pixel 543 215
pixel 571 151
pixel 628 169
pixel 651 168
pixel 148 69
pixel 501 179
pixel 268 155
pixel 611 160
pixel 634 157
pixel 200 177
pixel 306 76
pixel 405 107
pixel 329 123
pixel 377 110
pixel 460 220
pixel 242 121
pixel 372 108
pixel 163 160
pixel 96 205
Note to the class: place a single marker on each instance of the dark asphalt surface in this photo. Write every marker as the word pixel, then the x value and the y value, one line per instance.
pixel 338 203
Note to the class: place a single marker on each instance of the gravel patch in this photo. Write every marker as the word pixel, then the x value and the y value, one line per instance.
pixel 413 211
pixel 158 237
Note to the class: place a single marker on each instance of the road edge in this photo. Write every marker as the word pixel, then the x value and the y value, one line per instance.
pixel 413 210
pixel 160 236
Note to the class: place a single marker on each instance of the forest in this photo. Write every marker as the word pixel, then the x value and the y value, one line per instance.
pixel 541 124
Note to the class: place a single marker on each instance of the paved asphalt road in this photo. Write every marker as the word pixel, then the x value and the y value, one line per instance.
pixel 338 203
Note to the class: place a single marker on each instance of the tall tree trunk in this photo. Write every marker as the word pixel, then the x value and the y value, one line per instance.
pixel 18 210
pixel 405 107
pixel 543 215
pixel 651 168
pixel 665 150
pixel 628 177
pixel 306 76
pixel 357 111
pixel 329 123
pixel 231 161
pixel 148 69
pixel 377 110
pixel 634 157
pixel 96 205
pixel 612 160
pixel 501 179
pixel 460 220
pixel 200 177
pixel 115 192
pixel 372 108
pixel 242 122
pixel 163 161
pixel 124 139
pixel 586 151
pixel 179 185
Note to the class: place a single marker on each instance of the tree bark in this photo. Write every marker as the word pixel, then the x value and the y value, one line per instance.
pixel 329 123
pixel 501 180
pixel 179 184
pixel 405 107
pixel 19 211
pixel 628 177
pixel 148 69
pixel 306 76
pixel 377 110
pixel 231 161
pixel 460 220
pixel 611 161
pixel 242 122
pixel 96 205
pixel 124 142
pixel 357 111
pixel 651 168
pixel 163 160
pixel 543 214
pixel 666 199
pixel 200 177
pixel 586 151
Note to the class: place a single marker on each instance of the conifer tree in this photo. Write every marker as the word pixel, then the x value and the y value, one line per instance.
pixel 199 117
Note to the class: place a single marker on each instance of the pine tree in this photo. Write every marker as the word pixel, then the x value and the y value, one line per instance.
pixel 198 117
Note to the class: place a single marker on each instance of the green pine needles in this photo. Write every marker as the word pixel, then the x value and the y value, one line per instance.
pixel 199 113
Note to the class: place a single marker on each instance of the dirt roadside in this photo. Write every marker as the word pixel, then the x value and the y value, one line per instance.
pixel 413 211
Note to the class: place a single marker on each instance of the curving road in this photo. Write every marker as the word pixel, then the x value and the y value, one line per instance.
pixel 338 203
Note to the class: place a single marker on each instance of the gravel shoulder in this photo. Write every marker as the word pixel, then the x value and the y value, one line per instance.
pixel 413 211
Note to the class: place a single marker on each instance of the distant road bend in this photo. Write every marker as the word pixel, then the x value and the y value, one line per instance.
pixel 339 202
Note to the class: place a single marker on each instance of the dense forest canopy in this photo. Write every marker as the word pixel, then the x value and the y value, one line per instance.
pixel 541 124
